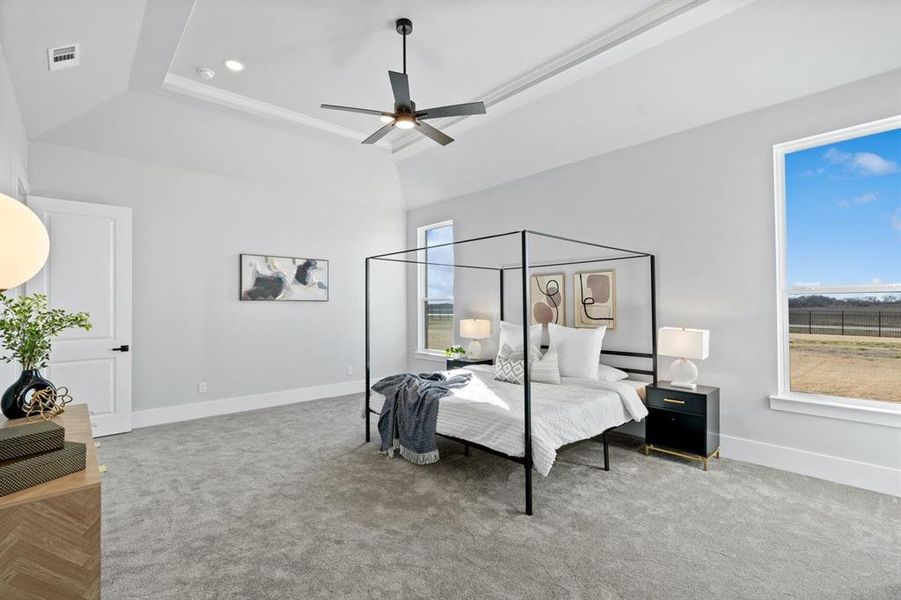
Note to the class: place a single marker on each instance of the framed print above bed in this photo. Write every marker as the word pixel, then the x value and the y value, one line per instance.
pixel 594 293
pixel 547 296
pixel 283 278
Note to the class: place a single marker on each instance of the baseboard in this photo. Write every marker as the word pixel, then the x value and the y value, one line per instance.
pixel 225 406
pixel 868 476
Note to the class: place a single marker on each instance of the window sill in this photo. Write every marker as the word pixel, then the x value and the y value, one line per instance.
pixel 874 412
pixel 426 355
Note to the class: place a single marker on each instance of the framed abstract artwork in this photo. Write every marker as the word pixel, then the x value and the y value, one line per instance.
pixel 595 299
pixel 547 298
pixel 283 278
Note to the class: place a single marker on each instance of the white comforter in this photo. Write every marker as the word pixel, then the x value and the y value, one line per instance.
pixel 489 412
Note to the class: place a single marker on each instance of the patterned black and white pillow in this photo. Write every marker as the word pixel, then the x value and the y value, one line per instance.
pixel 508 366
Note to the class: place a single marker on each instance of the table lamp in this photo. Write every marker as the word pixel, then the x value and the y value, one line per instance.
pixel 475 330
pixel 685 344
pixel 24 243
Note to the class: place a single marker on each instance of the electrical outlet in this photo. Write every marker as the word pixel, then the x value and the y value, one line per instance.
pixel 201 387
pixel 350 371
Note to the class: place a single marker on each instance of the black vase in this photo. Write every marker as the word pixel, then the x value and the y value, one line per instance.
pixel 17 394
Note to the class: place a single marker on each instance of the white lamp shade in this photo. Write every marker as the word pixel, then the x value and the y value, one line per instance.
pixel 475 329
pixel 24 243
pixel 683 343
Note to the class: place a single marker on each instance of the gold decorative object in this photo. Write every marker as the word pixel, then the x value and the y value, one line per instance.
pixel 47 403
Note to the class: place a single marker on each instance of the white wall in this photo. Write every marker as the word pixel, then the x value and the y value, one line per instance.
pixel 702 201
pixel 13 164
pixel 189 228
pixel 13 142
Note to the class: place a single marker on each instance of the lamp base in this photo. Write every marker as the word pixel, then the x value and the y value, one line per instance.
pixel 682 384
pixel 684 374
pixel 474 350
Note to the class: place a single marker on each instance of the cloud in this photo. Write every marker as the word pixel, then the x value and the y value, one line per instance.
pixel 874 164
pixel 813 172
pixel 861 163
pixel 862 199
pixel 896 219
pixel 806 283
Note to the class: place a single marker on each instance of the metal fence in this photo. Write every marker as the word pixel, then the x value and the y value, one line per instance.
pixel 878 323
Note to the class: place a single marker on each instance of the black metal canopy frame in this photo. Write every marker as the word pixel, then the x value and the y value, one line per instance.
pixel 524 267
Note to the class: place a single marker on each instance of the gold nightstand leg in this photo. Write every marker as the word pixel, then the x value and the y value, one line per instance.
pixel 705 463
pixel 647 451
pixel 717 454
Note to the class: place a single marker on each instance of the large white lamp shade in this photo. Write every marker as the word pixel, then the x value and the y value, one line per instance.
pixel 24 243
pixel 475 329
pixel 684 344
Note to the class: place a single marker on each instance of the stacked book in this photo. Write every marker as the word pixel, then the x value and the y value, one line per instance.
pixel 36 453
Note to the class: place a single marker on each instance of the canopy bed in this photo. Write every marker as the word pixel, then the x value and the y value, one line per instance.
pixel 528 423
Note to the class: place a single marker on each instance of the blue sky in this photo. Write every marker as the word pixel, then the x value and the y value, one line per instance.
pixel 440 279
pixel 843 212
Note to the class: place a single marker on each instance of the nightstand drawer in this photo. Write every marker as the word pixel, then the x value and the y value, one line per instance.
pixel 463 363
pixel 677 430
pixel 677 401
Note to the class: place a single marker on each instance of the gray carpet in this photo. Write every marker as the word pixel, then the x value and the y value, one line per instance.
pixel 287 503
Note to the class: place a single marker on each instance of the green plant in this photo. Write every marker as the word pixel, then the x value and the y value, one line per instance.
pixel 454 350
pixel 27 324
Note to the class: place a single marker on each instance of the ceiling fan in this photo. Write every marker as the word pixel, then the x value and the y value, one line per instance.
pixel 405 115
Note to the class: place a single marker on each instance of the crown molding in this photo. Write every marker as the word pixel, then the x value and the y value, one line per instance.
pixel 627 30
pixel 663 19
pixel 209 93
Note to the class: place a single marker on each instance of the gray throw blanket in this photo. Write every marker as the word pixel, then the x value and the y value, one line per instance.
pixel 410 413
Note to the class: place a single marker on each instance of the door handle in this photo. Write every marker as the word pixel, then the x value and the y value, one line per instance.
pixel 122 348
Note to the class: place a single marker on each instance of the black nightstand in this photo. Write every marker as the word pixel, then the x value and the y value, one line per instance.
pixel 462 363
pixel 683 422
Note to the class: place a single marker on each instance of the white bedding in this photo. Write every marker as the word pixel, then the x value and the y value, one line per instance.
pixel 639 386
pixel 489 412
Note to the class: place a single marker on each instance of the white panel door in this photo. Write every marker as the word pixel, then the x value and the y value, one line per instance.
pixel 89 270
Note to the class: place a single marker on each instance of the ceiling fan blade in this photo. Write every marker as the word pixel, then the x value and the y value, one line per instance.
pixel 454 110
pixel 365 111
pixel 400 85
pixel 379 134
pixel 437 135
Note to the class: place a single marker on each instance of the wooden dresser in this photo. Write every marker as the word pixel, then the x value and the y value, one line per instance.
pixel 50 533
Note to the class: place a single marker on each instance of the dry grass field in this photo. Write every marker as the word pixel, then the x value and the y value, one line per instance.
pixel 441 332
pixel 852 366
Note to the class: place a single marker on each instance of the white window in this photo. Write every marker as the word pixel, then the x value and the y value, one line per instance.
pixel 436 287
pixel 838 216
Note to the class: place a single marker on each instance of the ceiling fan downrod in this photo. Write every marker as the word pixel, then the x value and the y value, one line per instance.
pixel 404 27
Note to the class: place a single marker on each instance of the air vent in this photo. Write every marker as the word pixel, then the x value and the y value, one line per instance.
pixel 63 57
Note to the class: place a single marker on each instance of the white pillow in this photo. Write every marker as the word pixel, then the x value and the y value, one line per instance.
pixel 546 368
pixel 511 335
pixel 608 373
pixel 578 350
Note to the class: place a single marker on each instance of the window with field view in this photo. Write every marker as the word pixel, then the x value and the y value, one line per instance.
pixel 437 287
pixel 843 267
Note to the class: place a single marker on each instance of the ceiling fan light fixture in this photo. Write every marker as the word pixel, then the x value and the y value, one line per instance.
pixel 405 122
pixel 405 115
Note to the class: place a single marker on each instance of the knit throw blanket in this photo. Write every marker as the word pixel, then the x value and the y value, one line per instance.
pixel 410 413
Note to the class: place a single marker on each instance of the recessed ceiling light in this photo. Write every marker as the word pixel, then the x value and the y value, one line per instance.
pixel 205 73
pixel 234 65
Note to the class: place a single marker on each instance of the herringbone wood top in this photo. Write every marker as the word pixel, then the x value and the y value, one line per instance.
pixel 77 422
pixel 50 533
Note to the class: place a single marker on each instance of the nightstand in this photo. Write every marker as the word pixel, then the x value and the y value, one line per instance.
pixel 683 422
pixel 462 363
